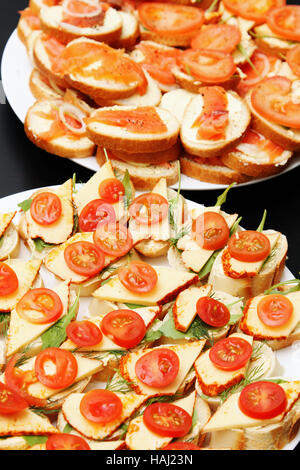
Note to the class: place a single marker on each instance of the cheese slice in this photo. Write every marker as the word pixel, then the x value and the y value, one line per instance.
pixel 61 230
pixel 148 314
pixel 185 307
pixel 170 283
pixel 213 380
pixel 252 324
pixel 157 232
pixel 21 332
pixel 187 354
pixel 5 220
pixel 71 411
pixel 26 272
pixel 90 190
pixel 139 437
pixel 25 422
pixel 229 415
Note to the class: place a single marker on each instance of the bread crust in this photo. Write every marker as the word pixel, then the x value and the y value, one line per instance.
pixel 193 85
pixel 57 78
pixel 209 173
pixel 154 158
pixel 173 40
pixel 235 161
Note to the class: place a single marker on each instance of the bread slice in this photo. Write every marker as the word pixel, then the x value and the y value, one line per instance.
pixel 239 120
pixel 130 31
pixel 25 27
pixel 36 5
pixel 193 85
pixel 43 62
pixel 52 23
pixel 155 158
pixel 67 146
pixel 173 40
pixel 270 42
pixel 176 102
pixel 41 87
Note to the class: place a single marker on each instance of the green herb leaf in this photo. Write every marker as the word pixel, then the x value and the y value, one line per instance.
pixel 194 417
pixel 197 330
pixel 153 334
pixel 274 289
pixel 222 198
pixel 4 323
pixel 134 306
pixel 25 205
pixel 33 440
pixel 128 189
pixel 235 226
pixel 173 203
pixel 67 429
pixel 118 384
pixel 106 154
pixel 208 265
pixel 74 182
pixel 40 245
pixel 262 223
pixel 244 53
pixel 212 6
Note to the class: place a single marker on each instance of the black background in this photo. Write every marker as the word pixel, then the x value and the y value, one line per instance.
pixel 24 166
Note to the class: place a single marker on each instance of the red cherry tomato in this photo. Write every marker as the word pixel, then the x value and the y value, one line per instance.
pixel 158 368
pixel 40 306
pixel 111 190
pixel 9 282
pixel 262 400
pixel 181 446
pixel 149 209
pixel 166 419
pixel 126 328
pixel 230 353
pixel 211 231
pixel 138 277
pixel 252 9
pixel 208 65
pixel 46 208
pixel 113 239
pixel 213 312
pixel 285 22
pixel 84 258
pixel 94 213
pixel 84 333
pixel 66 442
pixel 65 364
pixel 10 402
pixel 249 246
pixel 220 37
pixel 101 406
pixel 275 310
pixel 293 59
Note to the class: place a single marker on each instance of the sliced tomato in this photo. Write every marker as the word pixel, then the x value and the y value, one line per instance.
pixel 275 310
pixel 158 368
pixel 213 312
pixel 84 333
pixel 40 306
pixel 149 209
pixel 165 18
pixel 94 213
pixel 65 364
pixel 84 258
pixel 138 277
pixel 159 61
pixel 211 231
pixel 101 406
pixel 285 21
pixel 125 328
pixel 84 14
pixel 166 419
pixel 262 400
pixel 10 401
pixel 181 446
pixel 257 11
pixel 208 65
pixel 261 144
pixel 261 66
pixel 46 208
pixel 220 37
pixel 293 59
pixel 111 190
pixel 230 353
pixel 66 442
pixel 113 239
pixel 9 282
pixel 249 246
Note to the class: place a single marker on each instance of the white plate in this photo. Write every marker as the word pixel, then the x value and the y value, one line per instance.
pixel 15 71
pixel 288 358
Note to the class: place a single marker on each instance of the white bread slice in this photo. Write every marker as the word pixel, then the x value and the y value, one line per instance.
pixel 10 243
pixel 43 62
pixel 30 45
pixel 116 137
pixel 130 31
pixel 41 87
pixel 36 5
pixel 6 226
pixel 270 42
pixel 64 146
pixel 25 423
pixel 193 84
pixel 176 101
pixel 239 120
pixel 52 24
pixel 154 158
pixel 24 29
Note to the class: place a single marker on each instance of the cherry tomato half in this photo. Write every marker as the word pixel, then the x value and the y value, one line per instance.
pixel 65 365
pixel 149 209
pixel 249 246
pixel 138 277
pixel 158 368
pixel 211 231
pixel 213 312
pixel 66 442
pixel 124 327
pixel 10 401
pixel 84 333
pixel 275 310
pixel 230 353
pixel 166 419
pixel 9 282
pixel 40 306
pixel 94 213
pixel 262 400
pixel 111 190
pixel 46 208
pixel 84 258
pixel 101 406
pixel 113 239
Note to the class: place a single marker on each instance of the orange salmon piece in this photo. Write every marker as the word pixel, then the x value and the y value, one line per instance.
pixel 214 118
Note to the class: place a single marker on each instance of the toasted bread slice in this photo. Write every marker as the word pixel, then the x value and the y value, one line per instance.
pixel 28 23
pixel 176 102
pixel 36 5
pixel 130 31
pixel 154 158
pixel 53 24
pixel 271 43
pixel 41 87
pixel 44 62
pixel 193 85
pixel 239 120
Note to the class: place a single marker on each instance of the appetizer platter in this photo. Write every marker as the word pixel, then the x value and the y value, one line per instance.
pixel 143 321
pixel 211 84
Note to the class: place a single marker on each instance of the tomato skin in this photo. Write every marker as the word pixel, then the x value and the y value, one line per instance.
pixel 251 9
pixel 66 442
pixel 76 256
pixel 275 310
pixel 10 401
pixel 213 312
pixel 138 277
pixel 155 205
pixel 113 239
pixel 230 353
pixel 66 368
pixel 125 327
pixel 249 246
pixel 176 421
pixel 101 406
pixel 262 63
pixel 208 65
pixel 159 62
pixel 94 213
pixel 293 59
pixel 211 231
pixel 285 21
pixel 9 282
pixel 181 446
pixel 158 368
pixel 220 37
pixel 42 300
pixel 111 190
pixel 262 400
pixel 84 333
pixel 46 208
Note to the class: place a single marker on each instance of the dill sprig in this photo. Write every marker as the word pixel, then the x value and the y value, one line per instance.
pixel 118 384
pixel 43 411
pixel 274 289
pixel 4 323
pixel 252 376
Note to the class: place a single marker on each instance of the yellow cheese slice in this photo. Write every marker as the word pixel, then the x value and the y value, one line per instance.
pixel 229 415
pixel 90 190
pixel 71 411
pixel 214 380
pixel 61 230
pixel 169 284
pixel 185 307
pixel 26 272
pixel 252 324
pixel 25 422
pixel 187 354
pixel 139 437
pixel 5 220
pixel 21 332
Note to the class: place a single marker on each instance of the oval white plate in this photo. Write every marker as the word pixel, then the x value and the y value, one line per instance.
pixel 15 71
pixel 288 358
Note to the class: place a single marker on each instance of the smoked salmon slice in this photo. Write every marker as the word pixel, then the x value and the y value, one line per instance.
pixel 159 62
pixel 214 118
pixel 79 7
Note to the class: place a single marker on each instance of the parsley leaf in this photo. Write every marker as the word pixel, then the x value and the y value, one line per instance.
pixel 262 223
pixel 222 198
pixel 25 205
pixel 40 245
pixel 128 189
pixel 4 323
pixel 67 429
pixel 33 440
pixel 118 384
pixel 134 306
pixel 197 330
